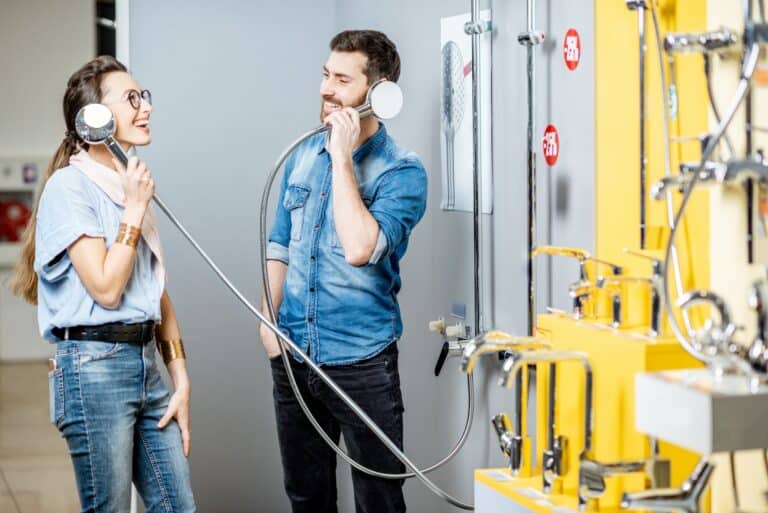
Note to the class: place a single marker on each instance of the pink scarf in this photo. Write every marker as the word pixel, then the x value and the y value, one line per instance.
pixel 108 181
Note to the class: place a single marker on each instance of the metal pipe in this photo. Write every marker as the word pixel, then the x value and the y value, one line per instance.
pixel 530 39
pixel 749 148
pixel 475 31
pixel 476 348
pixel 640 7
pixel 643 156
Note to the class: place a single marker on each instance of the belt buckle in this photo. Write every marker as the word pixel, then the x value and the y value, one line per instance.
pixel 66 333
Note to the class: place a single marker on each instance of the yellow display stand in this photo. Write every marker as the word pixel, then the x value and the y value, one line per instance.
pixel 712 251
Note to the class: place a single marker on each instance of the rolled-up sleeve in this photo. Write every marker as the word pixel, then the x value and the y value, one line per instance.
pixel 280 236
pixel 66 213
pixel 398 206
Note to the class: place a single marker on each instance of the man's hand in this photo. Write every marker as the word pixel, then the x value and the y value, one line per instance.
pixel 345 132
pixel 270 342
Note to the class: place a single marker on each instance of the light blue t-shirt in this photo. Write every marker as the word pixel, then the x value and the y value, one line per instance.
pixel 72 206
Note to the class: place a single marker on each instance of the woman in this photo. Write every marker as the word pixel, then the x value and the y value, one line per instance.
pixel 93 264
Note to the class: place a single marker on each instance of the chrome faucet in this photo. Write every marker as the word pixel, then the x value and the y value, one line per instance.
pixel 511 443
pixel 657 292
pixel 580 290
pixel 592 476
pixel 740 170
pixel 715 340
pixel 679 182
pixel 450 347
pixel 758 350
pixel 581 255
pixel 700 42
pixel 613 285
pixel 673 500
pixel 492 342
pixel 592 473
pixel 555 462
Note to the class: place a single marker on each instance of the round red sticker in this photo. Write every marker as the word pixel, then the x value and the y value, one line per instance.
pixel 551 145
pixel 572 49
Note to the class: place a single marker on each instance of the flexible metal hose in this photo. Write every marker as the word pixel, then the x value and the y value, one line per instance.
pixel 668 161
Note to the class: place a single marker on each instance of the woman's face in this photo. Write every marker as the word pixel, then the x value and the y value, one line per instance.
pixel 130 106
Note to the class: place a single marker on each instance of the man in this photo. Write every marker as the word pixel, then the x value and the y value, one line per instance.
pixel 348 204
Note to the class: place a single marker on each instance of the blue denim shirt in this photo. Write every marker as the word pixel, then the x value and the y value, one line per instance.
pixel 72 206
pixel 337 312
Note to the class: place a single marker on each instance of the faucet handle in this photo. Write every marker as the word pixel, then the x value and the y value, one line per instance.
pixel 442 357
pixel 554 462
pixel 502 424
pixel 673 500
pixel 714 338
pixel 437 326
pixel 450 348
pixel 577 253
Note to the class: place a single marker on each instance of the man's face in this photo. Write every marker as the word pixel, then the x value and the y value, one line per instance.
pixel 344 82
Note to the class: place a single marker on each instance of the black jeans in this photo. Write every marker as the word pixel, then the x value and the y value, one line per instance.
pixel 309 465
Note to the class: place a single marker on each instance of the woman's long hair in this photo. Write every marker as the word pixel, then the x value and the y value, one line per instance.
pixel 83 87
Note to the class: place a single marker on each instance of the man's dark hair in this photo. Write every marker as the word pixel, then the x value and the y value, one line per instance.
pixel 383 59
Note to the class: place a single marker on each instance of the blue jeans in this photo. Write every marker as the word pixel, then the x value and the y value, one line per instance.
pixel 309 465
pixel 106 399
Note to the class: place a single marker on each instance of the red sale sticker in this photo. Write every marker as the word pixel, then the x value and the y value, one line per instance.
pixel 572 49
pixel 551 145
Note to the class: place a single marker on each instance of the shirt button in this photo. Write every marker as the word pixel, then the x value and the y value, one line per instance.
pixel 310 319
pixel 312 257
pixel 311 289
pixel 317 227
pixel 323 194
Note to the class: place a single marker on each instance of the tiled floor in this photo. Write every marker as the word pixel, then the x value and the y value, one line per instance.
pixel 35 471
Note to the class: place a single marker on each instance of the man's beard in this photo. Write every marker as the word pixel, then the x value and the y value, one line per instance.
pixel 323 101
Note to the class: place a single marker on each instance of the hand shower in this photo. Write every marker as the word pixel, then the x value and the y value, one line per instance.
pixel 452 107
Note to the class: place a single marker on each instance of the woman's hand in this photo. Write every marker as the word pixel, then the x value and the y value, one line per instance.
pixel 137 183
pixel 178 408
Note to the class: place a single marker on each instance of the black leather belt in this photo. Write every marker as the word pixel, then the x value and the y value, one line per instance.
pixel 113 332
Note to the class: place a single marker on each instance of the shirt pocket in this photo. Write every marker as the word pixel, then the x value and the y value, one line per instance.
pixel 336 246
pixel 294 201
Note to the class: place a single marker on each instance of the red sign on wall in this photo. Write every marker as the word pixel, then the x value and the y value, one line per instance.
pixel 551 145
pixel 572 49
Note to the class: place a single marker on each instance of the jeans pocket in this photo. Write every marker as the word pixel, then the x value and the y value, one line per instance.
pixel 94 351
pixel 56 396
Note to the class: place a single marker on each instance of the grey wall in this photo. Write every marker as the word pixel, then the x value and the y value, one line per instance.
pixel 235 82
pixel 227 98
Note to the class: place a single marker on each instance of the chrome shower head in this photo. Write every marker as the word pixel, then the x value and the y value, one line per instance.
pixel 95 124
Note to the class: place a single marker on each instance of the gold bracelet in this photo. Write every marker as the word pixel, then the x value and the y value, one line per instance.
pixel 128 235
pixel 171 349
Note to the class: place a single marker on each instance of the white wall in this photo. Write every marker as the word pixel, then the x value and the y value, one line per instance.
pixel 42 42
